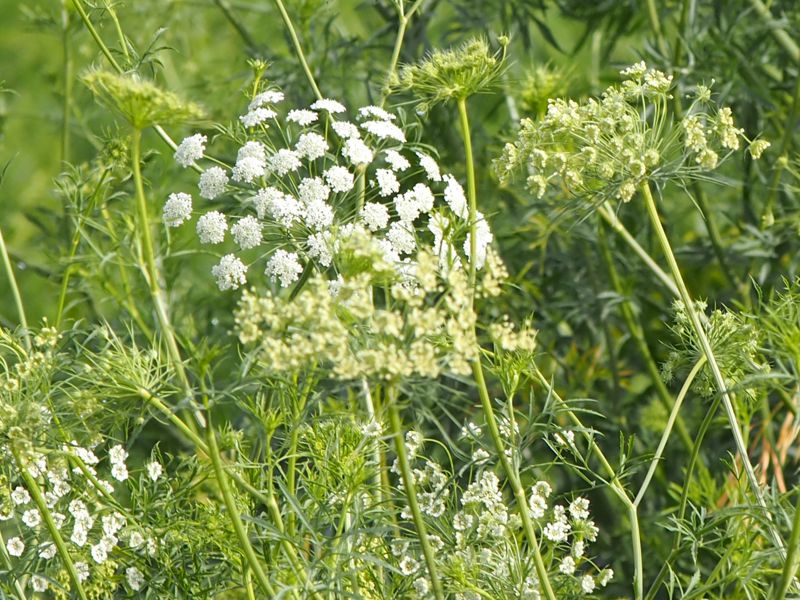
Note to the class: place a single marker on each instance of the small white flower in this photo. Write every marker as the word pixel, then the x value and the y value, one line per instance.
pixel 119 472
pixel 311 146
pixel 312 189
pixel 318 215
pixel 408 566
pixel 135 539
pixel 319 248
pixel 357 152
pixel 302 116
pixel 268 97
pixel 430 165
pixel 83 570
pixel 328 105
pixel 279 206
pixel 154 470
pixel 401 238
pixel 247 169
pixel 387 182
pixel 375 111
pixel 284 266
pixel 39 583
pixel 15 546
pixel 483 236
pixel 383 130
pixel 78 509
pixel 211 227
pixel 587 584
pixel 135 578
pixel 47 551
pixel 247 232
pixel 117 454
pixel 20 496
pixel 190 150
pixel 177 209
pixel 567 566
pixel 339 179
pixel 579 509
pixel 257 116
pixel 397 161
pixel 31 517
pixel 212 183
pixel 345 129
pixel 230 273
pixel 59 519
pixel 376 216
pixel 606 575
pixel 99 553
pixel 112 523
pixel 284 161
pixel 455 198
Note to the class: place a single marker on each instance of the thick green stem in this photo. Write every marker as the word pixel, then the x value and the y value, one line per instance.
pixel 668 429
pixel 472 193
pixel 12 283
pixel 233 512
pixel 513 479
pixel 298 49
pixel 47 516
pixel 708 351
pixel 411 494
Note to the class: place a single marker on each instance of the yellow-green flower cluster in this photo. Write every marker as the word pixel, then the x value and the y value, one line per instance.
pixel 608 147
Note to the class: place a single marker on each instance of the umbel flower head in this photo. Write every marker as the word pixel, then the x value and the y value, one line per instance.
pixel 308 181
pixel 140 101
pixel 454 74
pixel 606 148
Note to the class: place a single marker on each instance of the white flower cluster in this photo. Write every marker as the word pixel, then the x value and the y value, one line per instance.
pixel 326 174
pixel 90 528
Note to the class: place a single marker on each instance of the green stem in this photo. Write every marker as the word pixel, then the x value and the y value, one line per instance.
pixel 236 24
pixel 411 494
pixel 151 270
pixel 18 587
pixel 708 351
pixel 12 282
pixel 614 482
pixel 471 191
pixel 668 429
pixel 123 44
pixel 33 488
pixel 67 74
pixel 609 217
pixel 784 39
pixel 792 558
pixel 298 48
pixel 655 23
pixel 96 36
pixel 513 479
pixel 403 19
pixel 233 510
pixel 294 439
pixel 637 334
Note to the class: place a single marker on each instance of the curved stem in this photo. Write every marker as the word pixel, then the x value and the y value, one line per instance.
pixel 411 494
pixel 668 429
pixel 513 479
pixel 233 511
pixel 708 351
pixel 298 49
pixel 12 283
pixel 41 504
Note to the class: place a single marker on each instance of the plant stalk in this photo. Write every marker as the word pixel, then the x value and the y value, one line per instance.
pixel 41 504
pixel 708 351
pixel 298 49
pixel 472 193
pixel 411 494
pixel 12 283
